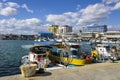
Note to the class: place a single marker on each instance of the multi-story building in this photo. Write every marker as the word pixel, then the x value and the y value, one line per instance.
pixel 65 29
pixel 60 30
pixel 54 29
pixel 112 34
pixel 86 35
pixel 104 35
pixel 95 28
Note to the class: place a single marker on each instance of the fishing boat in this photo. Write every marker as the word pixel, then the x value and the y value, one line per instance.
pixel 69 54
pixel 36 60
pixel 103 50
pixel 38 54
pixel 108 50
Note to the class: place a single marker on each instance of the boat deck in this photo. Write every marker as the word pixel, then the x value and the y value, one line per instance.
pixel 98 71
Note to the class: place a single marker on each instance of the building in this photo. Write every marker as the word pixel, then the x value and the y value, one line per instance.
pixel 54 29
pixel 86 35
pixel 60 30
pixel 99 31
pixel 112 35
pixel 96 28
pixel 65 29
pixel 69 36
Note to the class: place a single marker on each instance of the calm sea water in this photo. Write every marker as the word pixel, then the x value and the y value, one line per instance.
pixel 10 55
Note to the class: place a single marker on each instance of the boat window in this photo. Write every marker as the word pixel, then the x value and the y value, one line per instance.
pixel 59 51
pixel 65 54
pixel 107 48
pixel 44 56
pixel 74 52
pixel 41 56
pixel 75 46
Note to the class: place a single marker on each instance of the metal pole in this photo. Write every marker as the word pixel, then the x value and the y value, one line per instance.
pixel 103 55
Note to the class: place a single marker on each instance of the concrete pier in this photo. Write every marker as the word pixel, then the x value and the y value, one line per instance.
pixel 97 71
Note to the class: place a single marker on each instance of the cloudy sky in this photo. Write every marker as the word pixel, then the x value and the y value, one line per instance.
pixel 32 16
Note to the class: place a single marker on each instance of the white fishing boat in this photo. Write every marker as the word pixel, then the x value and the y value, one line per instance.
pixel 108 51
pixel 38 54
pixel 104 50
pixel 36 60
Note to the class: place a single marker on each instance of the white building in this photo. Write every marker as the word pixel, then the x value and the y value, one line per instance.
pixel 65 29
pixel 112 34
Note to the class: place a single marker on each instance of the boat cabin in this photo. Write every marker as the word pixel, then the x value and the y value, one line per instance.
pixel 38 52
pixel 104 50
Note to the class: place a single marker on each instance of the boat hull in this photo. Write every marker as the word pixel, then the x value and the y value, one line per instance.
pixel 73 61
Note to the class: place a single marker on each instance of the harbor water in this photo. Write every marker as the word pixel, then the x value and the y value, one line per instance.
pixel 11 52
pixel 10 55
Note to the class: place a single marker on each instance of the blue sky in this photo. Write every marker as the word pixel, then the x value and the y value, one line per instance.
pixel 32 16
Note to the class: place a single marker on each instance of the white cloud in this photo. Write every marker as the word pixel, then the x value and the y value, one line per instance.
pixel 27 9
pixel 68 18
pixel 8 8
pixel 12 4
pixel 8 11
pixel 26 26
pixel 11 8
pixel 94 14
pixel 57 19
pixel 117 6
pixel 110 1
pixel 91 14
